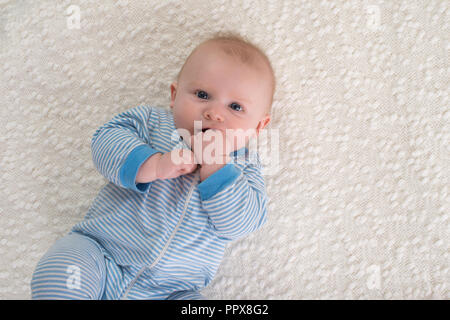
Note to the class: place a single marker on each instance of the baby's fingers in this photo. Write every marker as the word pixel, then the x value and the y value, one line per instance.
pixel 187 168
pixel 182 156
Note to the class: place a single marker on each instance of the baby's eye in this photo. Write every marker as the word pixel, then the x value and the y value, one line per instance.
pixel 201 94
pixel 235 105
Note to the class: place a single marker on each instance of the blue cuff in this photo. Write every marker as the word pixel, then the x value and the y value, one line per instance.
pixel 131 166
pixel 218 181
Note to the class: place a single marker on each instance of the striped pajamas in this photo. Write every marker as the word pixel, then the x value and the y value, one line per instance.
pixel 159 240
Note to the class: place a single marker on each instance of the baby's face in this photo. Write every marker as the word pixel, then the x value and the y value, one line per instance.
pixel 221 92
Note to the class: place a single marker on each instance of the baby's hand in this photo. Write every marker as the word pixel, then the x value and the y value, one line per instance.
pixel 175 163
pixel 209 151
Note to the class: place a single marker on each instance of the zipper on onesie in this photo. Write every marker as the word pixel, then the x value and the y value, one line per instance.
pixel 163 251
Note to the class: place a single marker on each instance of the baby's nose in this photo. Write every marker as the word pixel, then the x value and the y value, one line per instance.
pixel 213 115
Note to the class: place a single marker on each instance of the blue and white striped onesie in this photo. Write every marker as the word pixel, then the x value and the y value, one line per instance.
pixel 159 240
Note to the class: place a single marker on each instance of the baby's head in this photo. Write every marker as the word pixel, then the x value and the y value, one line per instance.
pixel 227 83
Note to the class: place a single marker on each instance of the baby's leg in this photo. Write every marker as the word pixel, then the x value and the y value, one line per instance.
pixel 73 268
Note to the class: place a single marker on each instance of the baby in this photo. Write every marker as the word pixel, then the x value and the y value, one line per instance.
pixel 159 228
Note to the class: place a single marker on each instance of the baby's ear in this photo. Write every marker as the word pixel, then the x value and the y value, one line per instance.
pixel 262 123
pixel 173 93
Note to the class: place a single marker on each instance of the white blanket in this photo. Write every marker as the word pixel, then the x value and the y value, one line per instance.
pixel 359 203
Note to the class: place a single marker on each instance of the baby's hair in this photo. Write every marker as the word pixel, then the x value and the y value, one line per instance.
pixel 244 50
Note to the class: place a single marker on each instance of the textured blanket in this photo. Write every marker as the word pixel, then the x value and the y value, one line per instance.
pixel 357 152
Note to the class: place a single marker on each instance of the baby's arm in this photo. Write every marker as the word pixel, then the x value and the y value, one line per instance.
pixel 122 152
pixel 235 200
pixel 147 171
pixel 120 146
pixel 161 166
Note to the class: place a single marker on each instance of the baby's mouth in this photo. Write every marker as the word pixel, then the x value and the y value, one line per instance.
pixel 204 130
